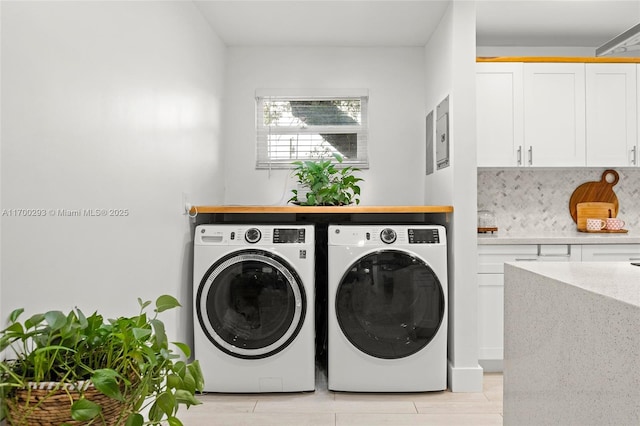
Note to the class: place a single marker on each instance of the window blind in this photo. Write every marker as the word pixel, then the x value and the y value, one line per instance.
pixel 307 127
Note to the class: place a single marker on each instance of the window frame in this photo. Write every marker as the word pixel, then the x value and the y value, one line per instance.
pixel 263 161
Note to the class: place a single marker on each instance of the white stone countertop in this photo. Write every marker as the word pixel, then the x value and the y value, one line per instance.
pixel 560 237
pixel 571 343
pixel 616 280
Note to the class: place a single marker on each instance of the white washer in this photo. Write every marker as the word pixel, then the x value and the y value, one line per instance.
pixel 387 298
pixel 254 307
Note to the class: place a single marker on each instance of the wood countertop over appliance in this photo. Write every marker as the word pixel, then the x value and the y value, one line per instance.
pixel 320 209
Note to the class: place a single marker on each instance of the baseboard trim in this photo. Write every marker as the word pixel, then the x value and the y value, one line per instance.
pixel 465 379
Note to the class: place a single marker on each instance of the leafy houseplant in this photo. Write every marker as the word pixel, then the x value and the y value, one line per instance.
pixel 326 184
pixel 126 360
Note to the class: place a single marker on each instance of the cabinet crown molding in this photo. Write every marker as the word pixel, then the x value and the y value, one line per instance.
pixel 564 59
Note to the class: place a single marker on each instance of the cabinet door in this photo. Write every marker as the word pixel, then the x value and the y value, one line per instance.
pixel 491 259
pixel 554 114
pixel 499 114
pixel 490 316
pixel 611 114
pixel 610 252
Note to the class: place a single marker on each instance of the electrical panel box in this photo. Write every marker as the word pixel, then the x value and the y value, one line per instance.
pixel 442 134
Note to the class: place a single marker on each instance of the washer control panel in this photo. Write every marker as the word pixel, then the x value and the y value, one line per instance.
pixel 254 235
pixel 288 235
pixel 388 235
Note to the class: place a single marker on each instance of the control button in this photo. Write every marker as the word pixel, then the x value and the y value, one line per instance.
pixel 233 236
pixel 252 235
pixel 368 236
pixel 388 235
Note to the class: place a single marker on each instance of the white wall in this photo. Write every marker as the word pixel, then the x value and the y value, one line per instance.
pixel 535 51
pixel 450 69
pixel 395 80
pixel 106 105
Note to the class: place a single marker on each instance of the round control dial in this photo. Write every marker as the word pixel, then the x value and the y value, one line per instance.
pixel 252 235
pixel 388 235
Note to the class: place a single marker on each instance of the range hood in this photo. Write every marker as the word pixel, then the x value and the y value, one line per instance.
pixel 626 44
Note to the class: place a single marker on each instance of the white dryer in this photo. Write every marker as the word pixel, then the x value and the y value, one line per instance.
pixel 254 307
pixel 387 322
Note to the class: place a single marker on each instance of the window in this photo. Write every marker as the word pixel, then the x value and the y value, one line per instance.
pixel 298 126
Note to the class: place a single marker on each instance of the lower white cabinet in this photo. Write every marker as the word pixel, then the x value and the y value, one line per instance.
pixel 491 259
pixel 490 318
pixel 611 253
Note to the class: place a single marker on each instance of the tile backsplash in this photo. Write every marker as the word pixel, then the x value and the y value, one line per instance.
pixel 537 200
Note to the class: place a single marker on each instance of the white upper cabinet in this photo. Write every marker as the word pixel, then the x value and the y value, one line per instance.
pixel 558 114
pixel 554 114
pixel 499 114
pixel 612 115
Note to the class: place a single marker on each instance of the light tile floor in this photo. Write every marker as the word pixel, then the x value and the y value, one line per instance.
pixel 327 408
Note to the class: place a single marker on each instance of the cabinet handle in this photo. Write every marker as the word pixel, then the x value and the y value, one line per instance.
pixel 568 254
pixel 634 156
pixel 526 260
pixel 530 155
pixel 519 156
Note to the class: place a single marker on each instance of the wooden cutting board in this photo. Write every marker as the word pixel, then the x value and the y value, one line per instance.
pixel 593 210
pixel 601 191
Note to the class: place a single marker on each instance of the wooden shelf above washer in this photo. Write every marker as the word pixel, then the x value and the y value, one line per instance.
pixel 320 209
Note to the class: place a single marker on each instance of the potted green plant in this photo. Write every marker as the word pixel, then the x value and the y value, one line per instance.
pixel 73 369
pixel 322 183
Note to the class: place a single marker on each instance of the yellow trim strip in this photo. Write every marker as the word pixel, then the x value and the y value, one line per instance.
pixel 579 59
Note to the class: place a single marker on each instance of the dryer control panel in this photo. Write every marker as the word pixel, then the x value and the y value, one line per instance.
pixel 423 236
pixel 391 235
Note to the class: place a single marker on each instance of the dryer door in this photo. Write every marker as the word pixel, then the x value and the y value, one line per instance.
pixel 390 304
pixel 251 304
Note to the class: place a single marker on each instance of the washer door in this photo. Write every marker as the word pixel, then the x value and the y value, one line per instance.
pixel 251 304
pixel 390 304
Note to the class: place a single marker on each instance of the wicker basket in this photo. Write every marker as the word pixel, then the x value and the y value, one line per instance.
pixel 49 404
